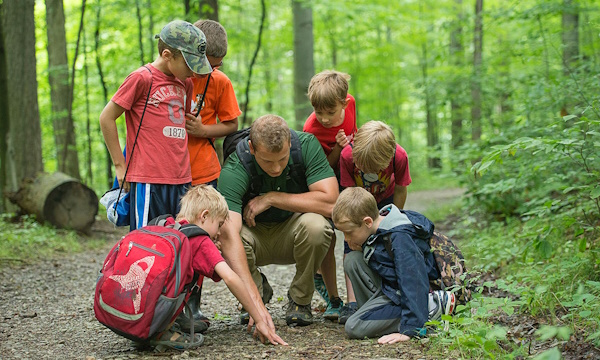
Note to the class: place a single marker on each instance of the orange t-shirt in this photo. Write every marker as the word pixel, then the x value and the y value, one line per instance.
pixel 220 103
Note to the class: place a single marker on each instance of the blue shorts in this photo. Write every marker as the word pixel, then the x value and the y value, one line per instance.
pixel 151 200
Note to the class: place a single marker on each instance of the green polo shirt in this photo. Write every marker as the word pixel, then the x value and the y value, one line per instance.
pixel 234 181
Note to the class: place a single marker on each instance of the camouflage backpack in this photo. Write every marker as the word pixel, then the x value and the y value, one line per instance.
pixel 451 266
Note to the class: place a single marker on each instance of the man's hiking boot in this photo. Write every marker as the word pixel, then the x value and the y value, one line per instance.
pixel 347 311
pixel 321 288
pixel 200 322
pixel 266 297
pixel 441 303
pixel 333 309
pixel 295 314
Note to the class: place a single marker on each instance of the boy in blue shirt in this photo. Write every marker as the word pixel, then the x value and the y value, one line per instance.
pixel 389 268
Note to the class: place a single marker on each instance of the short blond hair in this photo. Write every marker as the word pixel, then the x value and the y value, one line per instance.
pixel 374 146
pixel 270 132
pixel 216 37
pixel 327 89
pixel 353 205
pixel 200 198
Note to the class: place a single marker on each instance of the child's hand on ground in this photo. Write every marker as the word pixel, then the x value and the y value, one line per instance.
pixel 392 338
pixel 194 126
pixel 264 332
pixel 341 139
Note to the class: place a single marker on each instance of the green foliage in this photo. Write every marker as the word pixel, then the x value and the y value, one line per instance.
pixel 27 241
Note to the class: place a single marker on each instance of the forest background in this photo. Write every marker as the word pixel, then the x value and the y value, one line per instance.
pixel 500 98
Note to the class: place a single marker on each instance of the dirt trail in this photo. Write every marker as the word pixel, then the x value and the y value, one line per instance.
pixel 46 312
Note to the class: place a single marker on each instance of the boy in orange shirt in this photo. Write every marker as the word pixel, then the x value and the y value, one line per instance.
pixel 213 97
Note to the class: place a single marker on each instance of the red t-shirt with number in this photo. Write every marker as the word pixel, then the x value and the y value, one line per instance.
pixel 161 155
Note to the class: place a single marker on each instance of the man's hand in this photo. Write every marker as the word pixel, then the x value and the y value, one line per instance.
pixel 194 126
pixel 341 139
pixel 255 207
pixel 392 338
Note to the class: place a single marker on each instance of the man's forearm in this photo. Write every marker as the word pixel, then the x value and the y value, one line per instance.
pixel 308 202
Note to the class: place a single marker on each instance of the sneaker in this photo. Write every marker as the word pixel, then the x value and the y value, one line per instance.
pixel 347 311
pixel 321 289
pixel 266 297
pixel 441 303
pixel 200 322
pixel 295 314
pixel 333 309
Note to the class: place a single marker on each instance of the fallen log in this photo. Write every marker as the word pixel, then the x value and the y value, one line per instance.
pixel 59 199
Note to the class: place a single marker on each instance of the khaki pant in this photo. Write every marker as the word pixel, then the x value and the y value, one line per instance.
pixel 303 239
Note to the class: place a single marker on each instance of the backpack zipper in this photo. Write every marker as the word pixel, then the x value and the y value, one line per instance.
pixel 132 244
pixel 177 262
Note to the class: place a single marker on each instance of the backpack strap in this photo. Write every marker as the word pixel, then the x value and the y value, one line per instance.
pixel 160 220
pixel 243 152
pixel 191 230
pixel 297 170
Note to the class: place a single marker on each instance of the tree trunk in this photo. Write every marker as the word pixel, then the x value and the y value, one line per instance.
pixel 432 136
pixel 140 31
pixel 60 91
pixel 304 67
pixel 209 9
pixel 570 35
pixel 150 30
pixel 3 113
pixel 258 42
pixel 59 199
pixel 107 160
pixel 455 91
pixel 24 140
pixel 476 80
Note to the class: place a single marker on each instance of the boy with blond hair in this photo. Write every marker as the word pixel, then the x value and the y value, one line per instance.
pixel 158 163
pixel 333 122
pixel 217 108
pixel 394 302
pixel 377 164
pixel 205 207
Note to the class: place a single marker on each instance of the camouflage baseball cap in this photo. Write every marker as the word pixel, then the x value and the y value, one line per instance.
pixel 191 41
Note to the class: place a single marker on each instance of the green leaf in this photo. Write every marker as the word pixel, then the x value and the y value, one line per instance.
pixel 582 245
pixel 585 313
pixel 552 354
pixel 595 192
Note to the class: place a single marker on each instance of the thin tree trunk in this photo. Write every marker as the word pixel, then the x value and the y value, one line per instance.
pixel 150 30
pixel 260 31
pixel 3 113
pixel 186 7
pixel 209 9
pixel 570 35
pixel 89 175
pixel 304 67
pixel 24 140
pixel 455 91
pixel 432 137
pixel 476 80
pixel 60 91
pixel 140 31
pixel 107 161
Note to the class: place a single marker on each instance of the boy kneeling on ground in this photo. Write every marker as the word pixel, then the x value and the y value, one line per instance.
pixel 389 268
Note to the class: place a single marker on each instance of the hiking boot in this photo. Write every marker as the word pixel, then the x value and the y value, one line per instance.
pixel 333 309
pixel 347 311
pixel 295 314
pixel 192 310
pixel 266 297
pixel 321 288
pixel 441 303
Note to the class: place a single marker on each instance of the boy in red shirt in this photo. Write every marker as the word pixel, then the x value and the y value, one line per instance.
pixel 204 206
pixel 334 124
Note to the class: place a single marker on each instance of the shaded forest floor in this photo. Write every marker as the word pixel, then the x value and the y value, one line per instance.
pixel 46 312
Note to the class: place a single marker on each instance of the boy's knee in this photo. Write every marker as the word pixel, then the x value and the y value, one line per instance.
pixel 352 328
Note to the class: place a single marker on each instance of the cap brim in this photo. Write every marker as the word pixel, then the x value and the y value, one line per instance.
pixel 197 63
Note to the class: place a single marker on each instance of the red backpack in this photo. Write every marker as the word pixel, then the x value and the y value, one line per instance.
pixel 146 278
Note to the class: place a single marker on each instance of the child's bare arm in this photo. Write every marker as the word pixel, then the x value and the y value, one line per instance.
pixel 238 289
pixel 341 141
pixel 400 193
pixel 194 127
pixel 108 119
